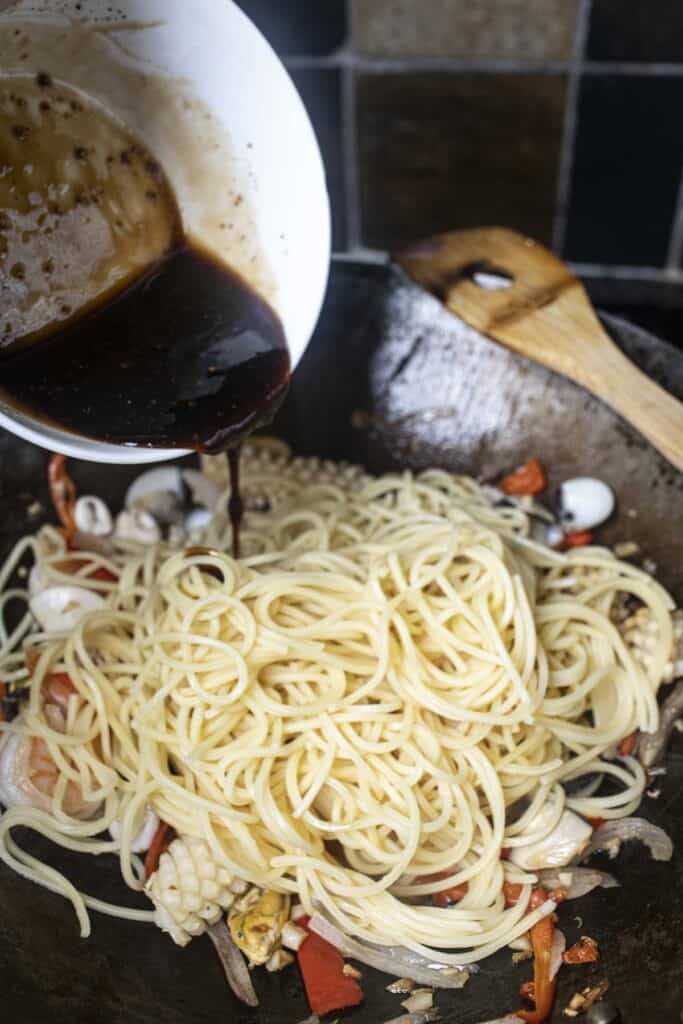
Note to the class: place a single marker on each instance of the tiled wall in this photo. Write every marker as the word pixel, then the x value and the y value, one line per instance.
pixel 561 118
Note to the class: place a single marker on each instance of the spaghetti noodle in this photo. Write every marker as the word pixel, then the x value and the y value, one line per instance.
pixel 370 706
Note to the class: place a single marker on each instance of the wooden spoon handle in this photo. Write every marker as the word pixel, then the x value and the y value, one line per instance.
pixel 543 312
pixel 635 396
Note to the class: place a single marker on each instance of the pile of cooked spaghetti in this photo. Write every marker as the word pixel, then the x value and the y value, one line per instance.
pixel 393 693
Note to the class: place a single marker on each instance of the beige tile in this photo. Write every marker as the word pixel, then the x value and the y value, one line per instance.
pixel 533 29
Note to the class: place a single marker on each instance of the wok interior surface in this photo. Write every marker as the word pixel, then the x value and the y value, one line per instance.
pixel 390 380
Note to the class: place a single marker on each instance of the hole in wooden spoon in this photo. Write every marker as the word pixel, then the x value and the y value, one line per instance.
pixel 489 278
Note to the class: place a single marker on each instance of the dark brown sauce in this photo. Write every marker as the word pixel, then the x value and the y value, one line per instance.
pixel 113 325
pixel 235 505
pixel 188 357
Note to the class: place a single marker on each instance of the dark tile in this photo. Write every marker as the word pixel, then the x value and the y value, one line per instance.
pixel 636 30
pixel 627 167
pixel 299 27
pixel 321 93
pixel 535 29
pixel 440 151
pixel 655 305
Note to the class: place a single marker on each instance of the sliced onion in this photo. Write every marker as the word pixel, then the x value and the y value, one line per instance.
pixel 652 745
pixel 234 964
pixel 558 947
pixel 422 1017
pixel 421 999
pixel 612 834
pixel 293 936
pixel 395 960
pixel 576 881
pixel 510 1019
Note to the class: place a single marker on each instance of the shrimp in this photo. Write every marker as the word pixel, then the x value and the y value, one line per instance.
pixel 28 772
pixel 63 493
pixel 29 776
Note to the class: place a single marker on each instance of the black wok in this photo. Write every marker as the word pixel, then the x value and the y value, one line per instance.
pixel 390 379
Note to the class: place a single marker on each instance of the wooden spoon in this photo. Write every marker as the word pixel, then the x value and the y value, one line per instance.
pixel 517 292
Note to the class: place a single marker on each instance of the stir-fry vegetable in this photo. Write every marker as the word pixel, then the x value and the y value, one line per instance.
pixel 544 985
pixel 628 744
pixel 526 480
pixel 580 539
pixel 448 896
pixel 322 968
pixel 585 951
pixel 612 834
pixel 236 970
pixel 161 842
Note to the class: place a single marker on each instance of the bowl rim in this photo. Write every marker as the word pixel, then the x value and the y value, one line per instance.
pixel 57 439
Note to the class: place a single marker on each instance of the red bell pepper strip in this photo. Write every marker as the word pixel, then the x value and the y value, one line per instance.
pixel 544 987
pixel 103 575
pixel 322 968
pixel 163 838
pixel 627 745
pixel 527 479
pixel 576 540
pixel 511 891
pixel 448 896
pixel 445 897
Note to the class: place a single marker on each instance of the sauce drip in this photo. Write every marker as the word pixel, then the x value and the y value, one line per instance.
pixel 235 505
pixel 188 357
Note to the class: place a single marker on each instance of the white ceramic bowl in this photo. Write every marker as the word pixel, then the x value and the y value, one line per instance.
pixel 208 95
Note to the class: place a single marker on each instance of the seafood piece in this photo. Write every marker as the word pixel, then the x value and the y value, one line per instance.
pixel 60 609
pixel 189 889
pixel 139 526
pixel 29 776
pixel 585 503
pixel 256 924
pixel 167 492
pixel 567 840
pixel 92 516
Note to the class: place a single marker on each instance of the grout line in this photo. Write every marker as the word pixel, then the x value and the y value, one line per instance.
pixel 675 254
pixel 570 126
pixel 389 65
pixel 618 273
pixel 616 67
pixel 350 170
pixel 344 57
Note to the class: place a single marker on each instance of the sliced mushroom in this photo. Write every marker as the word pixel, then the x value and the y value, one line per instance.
pixel 60 609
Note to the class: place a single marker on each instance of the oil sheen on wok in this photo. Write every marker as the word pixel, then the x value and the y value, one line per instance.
pixel 114 325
